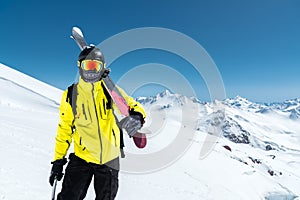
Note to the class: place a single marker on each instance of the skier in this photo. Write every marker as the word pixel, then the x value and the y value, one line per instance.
pixel 88 119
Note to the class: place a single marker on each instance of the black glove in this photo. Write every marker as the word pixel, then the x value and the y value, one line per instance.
pixel 56 171
pixel 132 123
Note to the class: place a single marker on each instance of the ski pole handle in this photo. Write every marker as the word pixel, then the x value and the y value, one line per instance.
pixel 54 188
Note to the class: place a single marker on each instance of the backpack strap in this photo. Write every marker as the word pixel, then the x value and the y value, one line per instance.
pixel 72 97
pixel 108 97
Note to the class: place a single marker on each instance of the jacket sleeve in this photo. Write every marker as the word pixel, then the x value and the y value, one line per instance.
pixel 64 130
pixel 133 105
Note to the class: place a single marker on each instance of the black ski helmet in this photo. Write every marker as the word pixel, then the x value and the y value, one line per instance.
pixel 90 53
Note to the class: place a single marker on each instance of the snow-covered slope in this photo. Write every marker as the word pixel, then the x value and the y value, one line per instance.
pixel 256 154
pixel 28 118
pixel 12 79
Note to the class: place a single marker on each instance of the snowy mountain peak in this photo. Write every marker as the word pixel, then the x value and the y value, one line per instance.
pixel 290 107
pixel 242 103
pixel 238 100
pixel 168 99
pixel 165 93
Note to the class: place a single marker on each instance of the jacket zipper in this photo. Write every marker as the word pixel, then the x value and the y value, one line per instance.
pixel 99 133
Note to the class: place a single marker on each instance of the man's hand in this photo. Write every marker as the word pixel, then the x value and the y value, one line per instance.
pixel 132 124
pixel 56 172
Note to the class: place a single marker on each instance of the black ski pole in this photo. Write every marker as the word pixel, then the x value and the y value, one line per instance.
pixel 54 188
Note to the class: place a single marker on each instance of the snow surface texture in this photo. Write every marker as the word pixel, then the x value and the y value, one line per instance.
pixel 257 155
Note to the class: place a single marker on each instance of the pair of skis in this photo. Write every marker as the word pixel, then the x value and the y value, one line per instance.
pixel 139 138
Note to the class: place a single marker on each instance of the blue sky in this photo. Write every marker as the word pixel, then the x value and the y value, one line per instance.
pixel 255 44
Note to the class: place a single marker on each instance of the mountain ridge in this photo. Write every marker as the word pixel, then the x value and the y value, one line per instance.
pixel 291 106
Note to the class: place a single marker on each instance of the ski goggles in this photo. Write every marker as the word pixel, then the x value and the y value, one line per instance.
pixel 92 65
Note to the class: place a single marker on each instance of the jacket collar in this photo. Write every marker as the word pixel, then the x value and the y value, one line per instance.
pixel 89 86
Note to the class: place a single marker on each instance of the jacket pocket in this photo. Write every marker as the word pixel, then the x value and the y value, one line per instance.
pixel 78 140
pixel 105 111
pixel 80 143
pixel 83 117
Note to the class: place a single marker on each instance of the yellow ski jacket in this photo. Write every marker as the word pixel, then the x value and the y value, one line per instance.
pixel 94 130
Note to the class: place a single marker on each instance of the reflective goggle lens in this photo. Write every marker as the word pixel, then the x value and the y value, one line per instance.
pixel 91 65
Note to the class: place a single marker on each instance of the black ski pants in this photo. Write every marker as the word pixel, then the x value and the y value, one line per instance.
pixel 78 176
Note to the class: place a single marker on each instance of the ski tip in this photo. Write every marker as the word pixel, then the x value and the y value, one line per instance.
pixel 77 30
pixel 140 140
